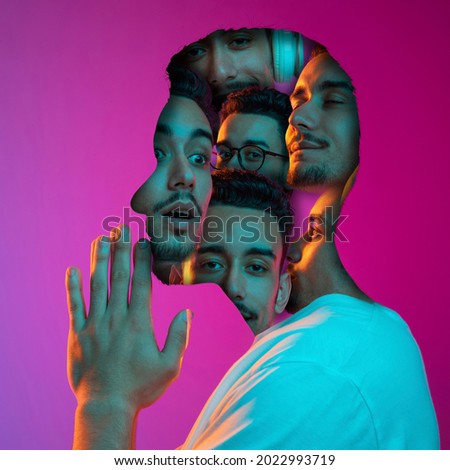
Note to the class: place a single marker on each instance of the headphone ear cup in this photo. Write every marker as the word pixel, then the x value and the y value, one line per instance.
pixel 300 63
pixel 285 49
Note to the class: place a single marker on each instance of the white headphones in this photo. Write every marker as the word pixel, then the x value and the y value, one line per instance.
pixel 288 54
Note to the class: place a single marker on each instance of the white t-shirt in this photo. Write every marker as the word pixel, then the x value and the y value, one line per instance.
pixel 339 374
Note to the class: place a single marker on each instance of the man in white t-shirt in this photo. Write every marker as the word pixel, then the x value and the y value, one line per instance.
pixel 343 372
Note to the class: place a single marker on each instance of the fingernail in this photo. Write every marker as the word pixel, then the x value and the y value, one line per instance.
pixel 70 272
pixel 104 243
pixel 115 234
pixel 143 244
pixel 188 315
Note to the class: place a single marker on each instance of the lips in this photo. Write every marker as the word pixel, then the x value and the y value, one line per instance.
pixel 180 216
pixel 245 312
pixel 306 142
pixel 180 210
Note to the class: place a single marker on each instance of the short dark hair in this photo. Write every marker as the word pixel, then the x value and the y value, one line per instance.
pixel 254 100
pixel 184 82
pixel 318 49
pixel 249 189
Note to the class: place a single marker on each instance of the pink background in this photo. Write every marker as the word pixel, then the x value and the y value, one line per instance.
pixel 81 87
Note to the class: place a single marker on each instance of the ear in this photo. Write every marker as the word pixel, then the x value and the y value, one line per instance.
pixel 284 291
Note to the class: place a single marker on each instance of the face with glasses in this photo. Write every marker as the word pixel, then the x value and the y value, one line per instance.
pixel 252 142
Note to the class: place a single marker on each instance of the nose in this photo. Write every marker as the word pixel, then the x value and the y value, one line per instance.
pixel 304 116
pixel 221 66
pixel 181 175
pixel 294 252
pixel 141 201
pixel 234 285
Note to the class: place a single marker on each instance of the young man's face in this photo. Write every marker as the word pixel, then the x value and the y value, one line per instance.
pixel 245 260
pixel 231 60
pixel 176 196
pixel 254 129
pixel 323 135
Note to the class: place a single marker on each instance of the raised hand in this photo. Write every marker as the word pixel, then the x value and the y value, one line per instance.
pixel 115 367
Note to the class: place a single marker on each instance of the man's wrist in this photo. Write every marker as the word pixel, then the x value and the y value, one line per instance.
pixel 100 406
pixel 105 424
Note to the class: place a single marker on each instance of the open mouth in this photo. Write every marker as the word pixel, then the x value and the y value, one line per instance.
pixel 180 214
pixel 180 211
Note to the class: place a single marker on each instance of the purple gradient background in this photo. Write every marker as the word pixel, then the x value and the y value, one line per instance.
pixel 81 87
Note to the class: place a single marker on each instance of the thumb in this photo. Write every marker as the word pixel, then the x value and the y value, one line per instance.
pixel 178 337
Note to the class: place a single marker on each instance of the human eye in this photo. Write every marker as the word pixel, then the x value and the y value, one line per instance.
pixel 195 52
pixel 240 42
pixel 316 227
pixel 253 153
pixel 199 159
pixel 298 96
pixel 159 154
pixel 334 99
pixel 257 268
pixel 296 103
pixel 224 153
pixel 211 266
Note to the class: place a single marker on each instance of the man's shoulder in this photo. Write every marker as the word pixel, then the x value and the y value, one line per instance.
pixel 335 330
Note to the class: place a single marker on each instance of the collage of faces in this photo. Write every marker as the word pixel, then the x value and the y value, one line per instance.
pixel 256 151
pixel 225 115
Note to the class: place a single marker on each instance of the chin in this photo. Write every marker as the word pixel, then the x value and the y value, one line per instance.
pixel 172 250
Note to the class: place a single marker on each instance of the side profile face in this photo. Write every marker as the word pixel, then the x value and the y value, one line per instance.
pixel 239 130
pixel 231 60
pixel 305 266
pixel 323 133
pixel 176 196
pixel 245 262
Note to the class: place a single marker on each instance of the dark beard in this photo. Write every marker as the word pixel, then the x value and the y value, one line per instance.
pixel 312 176
pixel 174 251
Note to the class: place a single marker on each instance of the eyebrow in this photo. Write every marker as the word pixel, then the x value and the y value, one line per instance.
pixel 325 85
pixel 260 251
pixel 258 143
pixel 251 251
pixel 202 133
pixel 163 129
pixel 211 249
pixel 344 84
pixel 195 134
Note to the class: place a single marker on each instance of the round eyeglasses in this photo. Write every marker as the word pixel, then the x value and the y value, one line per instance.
pixel 250 157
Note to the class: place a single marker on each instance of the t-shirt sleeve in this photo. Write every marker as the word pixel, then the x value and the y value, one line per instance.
pixel 291 406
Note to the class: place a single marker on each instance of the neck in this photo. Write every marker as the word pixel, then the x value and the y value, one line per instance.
pixel 320 270
pixel 324 275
